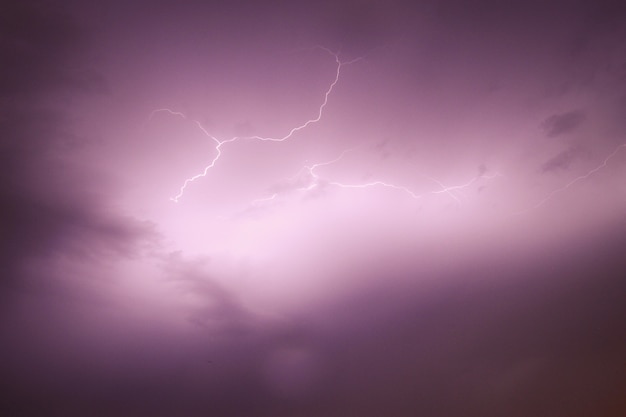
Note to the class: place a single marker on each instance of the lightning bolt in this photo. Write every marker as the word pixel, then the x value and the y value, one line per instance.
pixel 219 143
pixel 574 181
pixel 447 190
pixel 315 180
pixel 218 151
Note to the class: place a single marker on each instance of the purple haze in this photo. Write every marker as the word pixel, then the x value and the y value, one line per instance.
pixel 438 228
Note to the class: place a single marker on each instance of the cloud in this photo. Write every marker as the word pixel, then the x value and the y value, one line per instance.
pixel 563 160
pixel 41 41
pixel 500 337
pixel 52 204
pixel 217 308
pixel 563 123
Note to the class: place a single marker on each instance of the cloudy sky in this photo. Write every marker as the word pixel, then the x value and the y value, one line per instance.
pixel 331 208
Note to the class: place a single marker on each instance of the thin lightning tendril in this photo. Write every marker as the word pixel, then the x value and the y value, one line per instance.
pixel 574 181
pixel 316 180
pixel 413 194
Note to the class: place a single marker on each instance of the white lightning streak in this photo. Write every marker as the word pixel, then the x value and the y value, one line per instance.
pixel 316 180
pixel 219 143
pixel 447 190
pixel 377 183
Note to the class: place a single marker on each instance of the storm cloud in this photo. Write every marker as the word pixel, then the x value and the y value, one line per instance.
pixel 330 209
pixel 560 124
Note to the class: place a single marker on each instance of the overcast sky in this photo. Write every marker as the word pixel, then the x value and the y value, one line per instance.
pixel 329 208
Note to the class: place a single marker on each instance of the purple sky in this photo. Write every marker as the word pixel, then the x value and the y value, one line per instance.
pixel 382 208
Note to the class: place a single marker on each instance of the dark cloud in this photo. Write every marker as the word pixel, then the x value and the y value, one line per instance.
pixel 485 340
pixel 504 344
pixel 50 207
pixel 219 309
pixel 563 160
pixel 39 42
pixel 563 123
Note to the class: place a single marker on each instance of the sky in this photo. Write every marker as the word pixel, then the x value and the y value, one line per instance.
pixel 330 208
